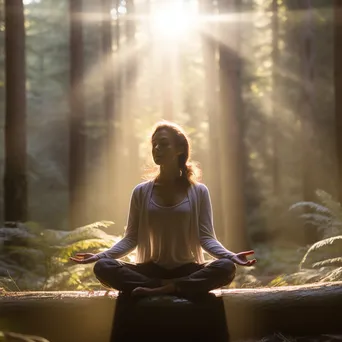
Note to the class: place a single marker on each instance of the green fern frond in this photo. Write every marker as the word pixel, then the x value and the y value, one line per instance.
pixel 328 262
pixel 305 276
pixel 335 275
pixel 319 250
pixel 57 237
pixel 90 245
pixel 34 255
pixel 98 224
pixel 278 281
pixel 311 205
pixel 333 206
pixel 12 269
pixel 85 233
pixel 51 237
pixel 27 252
pixel 19 234
pixel 318 218
pixel 74 277
pixel 34 227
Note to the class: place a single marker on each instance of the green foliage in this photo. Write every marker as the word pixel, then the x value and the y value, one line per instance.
pixel 323 260
pixel 327 217
pixel 323 253
pixel 278 281
pixel 35 259
pixel 11 336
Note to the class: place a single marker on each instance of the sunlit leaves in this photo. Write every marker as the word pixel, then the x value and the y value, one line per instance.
pixel 327 217
pixel 325 251
pixel 33 256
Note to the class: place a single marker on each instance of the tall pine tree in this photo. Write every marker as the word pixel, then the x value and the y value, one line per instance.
pixel 15 181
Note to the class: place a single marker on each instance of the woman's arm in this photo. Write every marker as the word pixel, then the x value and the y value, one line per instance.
pixel 130 240
pixel 206 229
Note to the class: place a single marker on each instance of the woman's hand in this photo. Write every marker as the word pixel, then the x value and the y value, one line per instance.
pixel 85 258
pixel 241 258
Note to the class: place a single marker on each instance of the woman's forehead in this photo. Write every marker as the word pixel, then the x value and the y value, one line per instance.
pixel 162 134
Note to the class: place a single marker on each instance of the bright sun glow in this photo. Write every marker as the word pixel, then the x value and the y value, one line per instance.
pixel 28 2
pixel 172 21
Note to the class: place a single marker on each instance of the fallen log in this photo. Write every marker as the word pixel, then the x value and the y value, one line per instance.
pixel 235 313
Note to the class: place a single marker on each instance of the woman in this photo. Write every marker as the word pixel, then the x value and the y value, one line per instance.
pixel 170 222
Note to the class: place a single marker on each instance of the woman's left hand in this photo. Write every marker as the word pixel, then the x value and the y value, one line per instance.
pixel 241 258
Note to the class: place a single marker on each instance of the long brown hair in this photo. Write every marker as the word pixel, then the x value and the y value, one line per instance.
pixel 189 170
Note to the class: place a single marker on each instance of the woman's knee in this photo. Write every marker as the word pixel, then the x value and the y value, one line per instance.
pixel 227 265
pixel 101 266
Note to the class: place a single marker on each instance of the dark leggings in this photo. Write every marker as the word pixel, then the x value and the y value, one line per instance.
pixel 191 278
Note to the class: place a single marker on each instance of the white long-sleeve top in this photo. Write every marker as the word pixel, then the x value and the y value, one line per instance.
pixel 139 235
pixel 170 231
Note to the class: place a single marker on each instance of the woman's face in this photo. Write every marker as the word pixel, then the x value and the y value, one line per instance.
pixel 164 149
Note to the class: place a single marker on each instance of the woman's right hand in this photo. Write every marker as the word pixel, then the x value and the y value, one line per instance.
pixel 85 258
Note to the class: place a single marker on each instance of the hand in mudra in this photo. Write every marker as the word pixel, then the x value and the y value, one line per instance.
pixel 241 258
pixel 84 258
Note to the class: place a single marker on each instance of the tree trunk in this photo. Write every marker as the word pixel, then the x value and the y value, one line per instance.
pixel 77 141
pixel 275 99
pixel 246 313
pixel 15 180
pixel 232 152
pixel 131 97
pixel 306 55
pixel 307 97
pixel 209 48
pixel 109 108
pixel 338 88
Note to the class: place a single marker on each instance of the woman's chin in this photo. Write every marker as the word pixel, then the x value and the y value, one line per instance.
pixel 157 161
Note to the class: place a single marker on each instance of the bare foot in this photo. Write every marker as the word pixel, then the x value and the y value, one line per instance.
pixel 141 291
pixel 145 291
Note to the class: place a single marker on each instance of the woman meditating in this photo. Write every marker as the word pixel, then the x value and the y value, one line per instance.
pixel 170 222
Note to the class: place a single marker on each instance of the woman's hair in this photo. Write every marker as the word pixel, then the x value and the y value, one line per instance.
pixel 189 170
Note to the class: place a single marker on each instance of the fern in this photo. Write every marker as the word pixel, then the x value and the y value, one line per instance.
pixel 90 245
pixel 84 234
pixel 88 231
pixel 305 276
pixel 328 262
pixel 322 218
pixel 319 250
pixel 278 281
pixel 76 277
pixel 311 205
pixel 327 218
pixel 335 275
pixel 333 206
pixel 33 256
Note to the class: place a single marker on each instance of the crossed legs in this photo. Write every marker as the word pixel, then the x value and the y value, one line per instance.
pixel 149 278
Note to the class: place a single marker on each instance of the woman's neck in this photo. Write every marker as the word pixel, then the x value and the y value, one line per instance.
pixel 168 175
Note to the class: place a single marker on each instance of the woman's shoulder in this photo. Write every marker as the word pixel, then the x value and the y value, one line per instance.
pixel 200 187
pixel 141 187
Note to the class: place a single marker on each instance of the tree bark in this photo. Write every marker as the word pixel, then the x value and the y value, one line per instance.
pixel 232 152
pixel 338 88
pixel 275 99
pixel 210 49
pixel 131 97
pixel 248 313
pixel 307 97
pixel 15 179
pixel 306 55
pixel 77 140
pixel 109 86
